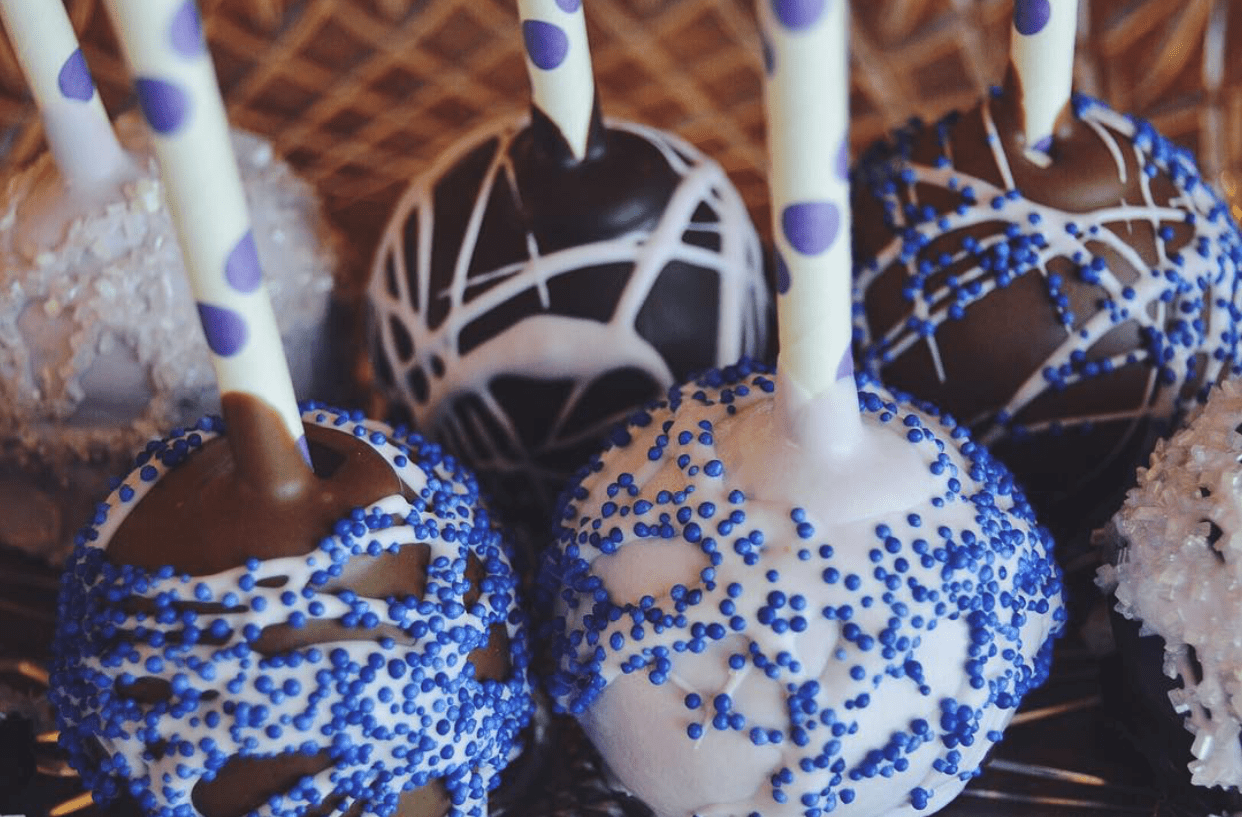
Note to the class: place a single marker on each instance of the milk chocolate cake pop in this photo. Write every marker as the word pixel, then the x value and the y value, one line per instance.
pixel 795 594
pixel 373 656
pixel 95 359
pixel 307 615
pixel 1064 297
pixel 549 275
pixel 1174 578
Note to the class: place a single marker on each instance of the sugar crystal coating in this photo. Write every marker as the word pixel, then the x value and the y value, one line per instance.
pixel 394 705
pixel 1179 537
pixel 731 653
pixel 98 348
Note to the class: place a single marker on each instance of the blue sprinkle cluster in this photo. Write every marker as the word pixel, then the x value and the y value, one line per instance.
pixel 963 587
pixel 394 709
pixel 955 239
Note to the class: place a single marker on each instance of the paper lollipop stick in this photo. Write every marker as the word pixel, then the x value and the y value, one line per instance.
pixel 78 131
pixel 1041 49
pixel 558 59
pixel 806 96
pixel 180 99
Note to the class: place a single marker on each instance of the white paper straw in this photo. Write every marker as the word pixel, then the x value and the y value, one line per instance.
pixel 558 60
pixel 806 96
pixel 79 135
pixel 1041 49
pixel 180 99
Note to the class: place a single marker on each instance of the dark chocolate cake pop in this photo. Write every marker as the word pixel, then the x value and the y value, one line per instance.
pixel 1065 306
pixel 521 307
pixel 547 277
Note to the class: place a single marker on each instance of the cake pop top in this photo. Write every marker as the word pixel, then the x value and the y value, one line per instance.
pixel 550 274
pixel 305 613
pixel 1063 304
pixel 797 594
pixel 95 360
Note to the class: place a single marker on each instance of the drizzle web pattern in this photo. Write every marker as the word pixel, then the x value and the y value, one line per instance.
pixel 450 394
pixel 1186 305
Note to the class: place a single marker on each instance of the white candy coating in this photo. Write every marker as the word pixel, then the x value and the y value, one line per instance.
pixel 739 636
pixel 100 348
pixel 1178 573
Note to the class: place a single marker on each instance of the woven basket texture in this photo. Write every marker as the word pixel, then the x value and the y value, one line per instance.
pixel 361 95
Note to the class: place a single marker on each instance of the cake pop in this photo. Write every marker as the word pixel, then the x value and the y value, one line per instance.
pixel 797 594
pixel 94 359
pixel 376 656
pixel 1173 575
pixel 550 274
pixel 1065 296
pixel 306 614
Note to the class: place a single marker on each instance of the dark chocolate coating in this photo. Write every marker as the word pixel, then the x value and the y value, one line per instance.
pixel 994 275
pixel 623 184
pixel 497 215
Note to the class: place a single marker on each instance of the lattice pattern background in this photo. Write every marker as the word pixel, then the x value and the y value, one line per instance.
pixel 363 94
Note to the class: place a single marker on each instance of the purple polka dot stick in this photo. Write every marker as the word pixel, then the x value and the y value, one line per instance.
pixel 806 95
pixel 1041 49
pixel 180 98
pixel 558 60
pixel 79 134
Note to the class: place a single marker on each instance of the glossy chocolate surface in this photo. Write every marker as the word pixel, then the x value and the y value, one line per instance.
pixel 1067 307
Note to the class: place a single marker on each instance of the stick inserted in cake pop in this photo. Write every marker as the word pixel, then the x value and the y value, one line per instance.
pixel 562 82
pixel 78 131
pixel 302 578
pixel 806 96
pixel 181 101
pixel 593 276
pixel 1041 49
pixel 1066 306
pixel 756 558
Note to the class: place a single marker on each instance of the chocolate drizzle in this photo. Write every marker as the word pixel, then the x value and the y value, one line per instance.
pixel 523 304
pixel 1067 311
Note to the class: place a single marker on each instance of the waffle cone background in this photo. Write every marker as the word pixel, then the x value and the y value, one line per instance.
pixel 362 95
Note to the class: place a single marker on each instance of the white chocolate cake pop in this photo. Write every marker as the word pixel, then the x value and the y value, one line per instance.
pixel 548 276
pixel 1176 569
pixel 797 594
pixel 735 639
pixel 99 351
